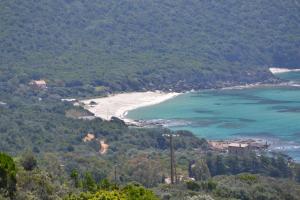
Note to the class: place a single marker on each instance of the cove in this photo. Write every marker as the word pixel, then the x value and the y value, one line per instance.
pixel 271 113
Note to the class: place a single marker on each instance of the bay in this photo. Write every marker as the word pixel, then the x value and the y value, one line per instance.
pixel 271 113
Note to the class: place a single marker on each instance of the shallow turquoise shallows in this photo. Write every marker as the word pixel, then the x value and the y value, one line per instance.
pixel 271 113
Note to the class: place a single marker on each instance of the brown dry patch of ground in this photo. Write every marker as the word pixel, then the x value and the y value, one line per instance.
pixel 89 137
pixel 103 147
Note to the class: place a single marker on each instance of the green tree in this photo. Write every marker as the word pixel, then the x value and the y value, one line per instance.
pixel 129 192
pixel 99 195
pixel 137 192
pixel 75 177
pixel 145 171
pixel 7 175
pixel 89 183
pixel 199 170
pixel 192 185
pixel 220 165
pixel 29 161
pixel 283 167
pixel 106 185
pixel 36 184
pixel 297 173
pixel 211 185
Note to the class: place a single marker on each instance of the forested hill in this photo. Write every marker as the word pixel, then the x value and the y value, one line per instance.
pixel 157 44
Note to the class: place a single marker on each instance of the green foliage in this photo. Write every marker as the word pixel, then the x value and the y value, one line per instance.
pixel 242 186
pixel 89 183
pixel 249 178
pixel 142 154
pixel 75 177
pixel 84 48
pixel 99 195
pixel 211 185
pixel 28 161
pixel 199 197
pixel 7 175
pixel 106 185
pixel 148 172
pixel 276 165
pixel 199 170
pixel 129 192
pixel 252 187
pixel 131 45
pixel 192 185
pixel 137 192
pixel 297 173
pixel 37 184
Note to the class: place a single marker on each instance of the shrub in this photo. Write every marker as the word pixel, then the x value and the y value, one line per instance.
pixel 29 162
pixel 211 185
pixel 136 192
pixel 7 175
pixel 129 192
pixel 200 197
pixel 192 185
pixel 249 178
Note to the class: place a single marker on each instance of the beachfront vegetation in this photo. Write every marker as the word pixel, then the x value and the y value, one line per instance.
pixel 96 46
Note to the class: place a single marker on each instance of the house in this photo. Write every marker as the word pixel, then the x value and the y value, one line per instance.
pixel 239 146
pixel 239 149
pixel 39 84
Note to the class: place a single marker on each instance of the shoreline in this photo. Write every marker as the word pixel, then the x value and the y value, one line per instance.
pixel 118 105
pixel 275 70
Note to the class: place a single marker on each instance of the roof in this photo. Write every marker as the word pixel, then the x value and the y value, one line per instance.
pixel 238 145
pixel 39 82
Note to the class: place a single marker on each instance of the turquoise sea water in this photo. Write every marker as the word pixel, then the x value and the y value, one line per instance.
pixel 271 113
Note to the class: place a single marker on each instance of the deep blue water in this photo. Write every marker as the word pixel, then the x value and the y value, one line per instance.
pixel 271 113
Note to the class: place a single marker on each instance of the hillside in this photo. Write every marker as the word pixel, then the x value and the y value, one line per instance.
pixel 51 149
pixel 54 161
pixel 136 45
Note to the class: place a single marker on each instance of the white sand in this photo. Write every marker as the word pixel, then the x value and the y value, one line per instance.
pixel 282 70
pixel 119 104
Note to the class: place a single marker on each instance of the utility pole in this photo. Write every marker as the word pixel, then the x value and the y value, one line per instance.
pixel 172 158
pixel 115 173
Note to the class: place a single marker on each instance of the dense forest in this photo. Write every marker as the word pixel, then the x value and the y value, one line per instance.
pixel 136 45
pixel 91 48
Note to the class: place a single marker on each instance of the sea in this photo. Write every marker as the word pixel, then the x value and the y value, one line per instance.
pixel 263 112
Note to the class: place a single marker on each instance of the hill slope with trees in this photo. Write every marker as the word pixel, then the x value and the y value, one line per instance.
pixel 135 45
pixel 83 48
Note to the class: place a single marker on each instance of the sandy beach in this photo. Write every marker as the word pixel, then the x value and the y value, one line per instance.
pixel 118 105
pixel 282 70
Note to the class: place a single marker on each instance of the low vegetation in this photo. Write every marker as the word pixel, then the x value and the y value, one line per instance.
pixel 40 183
